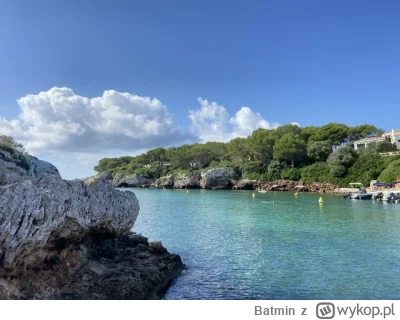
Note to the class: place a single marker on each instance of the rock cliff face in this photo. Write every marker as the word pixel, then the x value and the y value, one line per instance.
pixel 219 178
pixel 61 239
pixel 135 180
pixel 226 178
pixel 287 185
pixel 165 182
pixel 189 180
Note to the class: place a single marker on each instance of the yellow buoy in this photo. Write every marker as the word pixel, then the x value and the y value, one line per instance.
pixel 320 200
pixel 187 191
pixel 253 195
pixel 296 194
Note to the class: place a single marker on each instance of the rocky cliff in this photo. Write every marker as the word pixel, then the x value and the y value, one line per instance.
pixel 218 178
pixel 72 239
pixel 135 180
pixel 221 178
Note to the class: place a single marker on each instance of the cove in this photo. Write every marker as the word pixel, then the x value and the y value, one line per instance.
pixel 236 247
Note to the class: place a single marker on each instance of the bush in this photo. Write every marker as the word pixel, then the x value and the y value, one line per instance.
pixel 367 167
pixel 385 146
pixel 391 173
pixel 342 159
pixel 317 172
pixel 255 176
pixel 319 150
pixel 213 164
pixel 275 169
pixel 253 167
pixel 291 174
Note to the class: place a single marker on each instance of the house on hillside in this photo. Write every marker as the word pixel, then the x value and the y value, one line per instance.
pixel 392 136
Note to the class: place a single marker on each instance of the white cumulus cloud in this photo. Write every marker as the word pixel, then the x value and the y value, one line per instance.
pixel 212 122
pixel 60 120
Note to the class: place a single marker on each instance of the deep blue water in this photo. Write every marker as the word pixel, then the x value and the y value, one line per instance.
pixel 237 247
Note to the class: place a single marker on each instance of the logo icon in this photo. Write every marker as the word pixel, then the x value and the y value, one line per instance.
pixel 325 310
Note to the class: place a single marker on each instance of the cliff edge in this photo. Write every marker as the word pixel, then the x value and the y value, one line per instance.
pixel 71 239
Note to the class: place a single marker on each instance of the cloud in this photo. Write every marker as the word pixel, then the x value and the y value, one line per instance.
pixel 212 122
pixel 74 132
pixel 60 120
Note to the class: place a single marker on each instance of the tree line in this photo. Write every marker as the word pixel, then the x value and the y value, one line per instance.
pixel 287 152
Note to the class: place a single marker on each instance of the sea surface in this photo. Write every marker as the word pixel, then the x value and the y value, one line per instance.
pixel 237 247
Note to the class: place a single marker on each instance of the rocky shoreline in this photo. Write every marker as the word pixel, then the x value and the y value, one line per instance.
pixel 64 239
pixel 218 178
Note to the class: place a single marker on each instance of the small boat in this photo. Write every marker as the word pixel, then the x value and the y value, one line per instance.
pixel 392 197
pixel 361 194
pixel 262 191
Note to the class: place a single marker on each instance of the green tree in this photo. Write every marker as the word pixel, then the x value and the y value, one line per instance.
pixel 275 169
pixel 364 131
pixel 334 133
pixel 292 129
pixel 309 133
pixel 291 174
pixel 199 156
pixel 385 146
pixel 341 160
pixel 319 150
pixel 157 155
pixel 217 150
pixel 239 151
pixel 290 148
pixel 262 145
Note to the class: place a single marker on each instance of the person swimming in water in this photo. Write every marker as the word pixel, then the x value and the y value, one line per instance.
pixel 273 201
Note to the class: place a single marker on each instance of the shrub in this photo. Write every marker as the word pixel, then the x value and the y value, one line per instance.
pixel 291 174
pixel 341 160
pixel 317 172
pixel 275 169
pixel 391 173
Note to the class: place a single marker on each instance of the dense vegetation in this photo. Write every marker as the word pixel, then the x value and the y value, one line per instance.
pixel 288 152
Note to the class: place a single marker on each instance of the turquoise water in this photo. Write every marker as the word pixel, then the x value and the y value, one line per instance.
pixel 237 247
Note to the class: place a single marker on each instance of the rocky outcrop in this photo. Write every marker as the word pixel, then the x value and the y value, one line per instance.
pixel 244 184
pixel 125 267
pixel 190 180
pixel 15 167
pixel 135 180
pixel 218 178
pixel 61 239
pixel 288 185
pixel 165 182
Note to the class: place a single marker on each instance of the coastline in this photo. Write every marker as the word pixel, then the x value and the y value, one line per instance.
pixel 217 180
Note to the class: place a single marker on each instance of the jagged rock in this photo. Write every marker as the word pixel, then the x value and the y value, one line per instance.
pixel 53 233
pixel 165 182
pixel 15 166
pixel 287 185
pixel 244 184
pixel 218 178
pixel 126 267
pixel 135 180
pixel 187 180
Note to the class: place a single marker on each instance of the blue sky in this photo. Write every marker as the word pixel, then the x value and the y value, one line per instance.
pixel 310 62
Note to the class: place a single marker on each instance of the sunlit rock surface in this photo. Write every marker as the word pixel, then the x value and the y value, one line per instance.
pixel 61 239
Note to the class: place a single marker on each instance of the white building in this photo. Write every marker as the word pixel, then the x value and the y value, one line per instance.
pixel 392 136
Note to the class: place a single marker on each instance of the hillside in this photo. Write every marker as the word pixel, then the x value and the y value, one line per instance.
pixel 289 152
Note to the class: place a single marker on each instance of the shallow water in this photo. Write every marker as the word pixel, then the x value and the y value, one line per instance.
pixel 237 247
